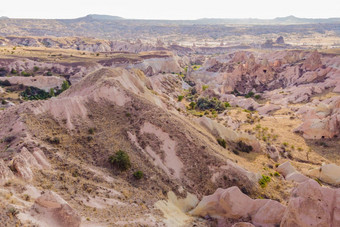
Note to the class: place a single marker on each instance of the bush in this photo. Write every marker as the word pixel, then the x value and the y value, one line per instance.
pixel 257 96
pixel 5 83
pixel 3 102
pixel 91 131
pixel 242 146
pixel 264 181
pixel 65 86
pixel 121 159
pixel 138 174
pixel 222 142
pixel 9 139
pixel 13 71
pixel 54 140
pixel 192 105
pixel 34 93
pixel 250 94
pixel 227 104
pixel 35 68
pixel 276 174
pixel 214 103
pixel 180 98
pixel 23 73
pixel 205 87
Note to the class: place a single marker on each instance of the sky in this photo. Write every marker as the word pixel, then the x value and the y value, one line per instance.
pixel 170 9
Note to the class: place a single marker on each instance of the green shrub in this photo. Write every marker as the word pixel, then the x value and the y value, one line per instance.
pixel 192 105
pixel 3 102
pixel 34 93
pixel 242 146
pixel 138 174
pixel 227 104
pixel 121 160
pixel 205 87
pixel 180 98
pixel 249 95
pixel 264 181
pixel 49 73
pixel 276 174
pixel 13 71
pixel 23 73
pixel 52 93
pixel 214 103
pixel 257 96
pixel 222 142
pixel 35 68
pixel 91 131
pixel 65 85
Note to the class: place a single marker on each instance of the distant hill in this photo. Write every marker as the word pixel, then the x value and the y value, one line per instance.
pixel 101 17
pixel 114 27
pixel 278 20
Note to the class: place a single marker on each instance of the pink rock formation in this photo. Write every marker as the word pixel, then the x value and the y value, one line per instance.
pixel 5 172
pixel 54 211
pixel 290 174
pixel 312 205
pixel 232 203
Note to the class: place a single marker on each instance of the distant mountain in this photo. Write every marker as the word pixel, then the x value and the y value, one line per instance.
pixel 278 20
pixel 101 17
pixel 113 27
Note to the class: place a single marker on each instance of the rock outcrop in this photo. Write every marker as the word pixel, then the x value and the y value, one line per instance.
pixel 312 205
pixel 5 172
pixel 290 173
pixel 329 173
pixel 232 203
pixel 52 210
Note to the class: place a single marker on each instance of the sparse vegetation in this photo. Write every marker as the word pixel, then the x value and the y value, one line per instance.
pixel 264 181
pixel 222 142
pixel 138 174
pixel 121 160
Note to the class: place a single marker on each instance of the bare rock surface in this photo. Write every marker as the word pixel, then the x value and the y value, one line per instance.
pixel 232 203
pixel 52 210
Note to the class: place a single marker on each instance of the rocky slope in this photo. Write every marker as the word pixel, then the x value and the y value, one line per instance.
pixel 243 139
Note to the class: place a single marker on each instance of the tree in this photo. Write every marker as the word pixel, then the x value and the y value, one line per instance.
pixel 52 92
pixel 65 86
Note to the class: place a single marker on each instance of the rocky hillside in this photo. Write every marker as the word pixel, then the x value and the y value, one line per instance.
pixel 159 139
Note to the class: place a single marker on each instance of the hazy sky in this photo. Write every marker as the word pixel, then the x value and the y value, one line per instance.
pixel 170 9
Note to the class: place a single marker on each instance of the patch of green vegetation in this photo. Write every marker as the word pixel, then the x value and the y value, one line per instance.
pixel 34 93
pixel 250 94
pixel 227 104
pixel 214 103
pixel 192 105
pixel 180 98
pixel 138 174
pixel 276 174
pixel 222 142
pixel 91 131
pixel 205 87
pixel 13 71
pixel 257 96
pixel 35 69
pixel 121 160
pixel 23 73
pixel 264 181
pixel 243 147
